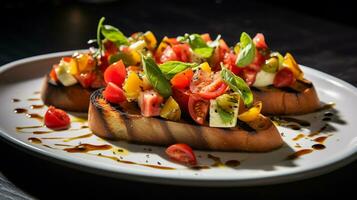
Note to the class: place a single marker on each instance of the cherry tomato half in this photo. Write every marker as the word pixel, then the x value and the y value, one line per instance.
pixel 206 86
pixel 284 78
pixel 182 52
pixel 249 75
pixel 198 108
pixel 181 153
pixel 113 93
pixel 115 73
pixel 56 119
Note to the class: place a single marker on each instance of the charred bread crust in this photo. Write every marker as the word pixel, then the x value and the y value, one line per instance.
pixel 289 101
pixel 113 122
pixel 73 98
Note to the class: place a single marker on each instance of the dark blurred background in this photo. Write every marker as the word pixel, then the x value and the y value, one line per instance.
pixel 320 35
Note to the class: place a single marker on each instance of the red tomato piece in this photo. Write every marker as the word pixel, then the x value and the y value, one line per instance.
pixel 53 74
pixel 284 78
pixel 168 55
pixel 259 41
pixel 110 47
pixel 218 55
pixel 114 94
pixel 207 87
pixel 181 153
pixel 198 108
pixel 249 75
pixel 104 62
pixel 182 52
pixel 86 79
pixel 150 103
pixel 56 119
pixel 183 79
pixel 67 59
pixel 258 61
pixel 181 96
pixel 230 62
pixel 206 37
pixel 115 73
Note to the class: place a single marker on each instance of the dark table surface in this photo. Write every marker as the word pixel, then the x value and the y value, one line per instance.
pixel 31 29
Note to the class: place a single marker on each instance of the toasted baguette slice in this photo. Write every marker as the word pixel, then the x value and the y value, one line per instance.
pixel 72 98
pixel 301 98
pixel 124 122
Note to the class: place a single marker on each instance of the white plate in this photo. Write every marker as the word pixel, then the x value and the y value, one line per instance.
pixel 21 79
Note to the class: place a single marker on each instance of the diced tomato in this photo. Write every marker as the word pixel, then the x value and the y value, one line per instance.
pixel 258 61
pixel 115 73
pixel 218 55
pixel 149 103
pixel 182 52
pixel 206 37
pixel 183 79
pixel 259 41
pixel 171 41
pixel 284 78
pixel 86 79
pixel 198 108
pixel 110 47
pixel 181 96
pixel 181 153
pixel 168 55
pixel 113 93
pixel 207 86
pixel 67 59
pixel 249 75
pixel 53 74
pixel 56 119
pixel 230 62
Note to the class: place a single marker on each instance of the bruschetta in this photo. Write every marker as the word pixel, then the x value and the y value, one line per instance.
pixel 208 110
pixel 275 80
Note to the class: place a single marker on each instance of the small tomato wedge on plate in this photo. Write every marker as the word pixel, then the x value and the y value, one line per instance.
pixel 115 73
pixel 198 108
pixel 183 79
pixel 56 119
pixel 181 153
pixel 182 52
pixel 113 93
pixel 284 78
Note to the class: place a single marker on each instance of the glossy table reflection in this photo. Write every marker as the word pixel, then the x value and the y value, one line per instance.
pixel 44 28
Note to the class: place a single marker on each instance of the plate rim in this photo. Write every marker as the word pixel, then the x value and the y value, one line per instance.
pixel 339 161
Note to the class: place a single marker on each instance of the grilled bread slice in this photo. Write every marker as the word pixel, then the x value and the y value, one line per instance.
pixel 124 122
pixel 73 98
pixel 301 98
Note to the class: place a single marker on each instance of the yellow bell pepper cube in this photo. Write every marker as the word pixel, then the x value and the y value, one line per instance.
pixel 171 110
pixel 290 63
pixel 132 86
pixel 252 113
pixel 150 40
pixel 205 67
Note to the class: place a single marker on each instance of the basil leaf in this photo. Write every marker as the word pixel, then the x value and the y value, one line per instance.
pixel 237 85
pixel 171 68
pixel 204 52
pixel 113 34
pixel 198 45
pixel 196 41
pixel 247 51
pixel 155 77
pixel 225 116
